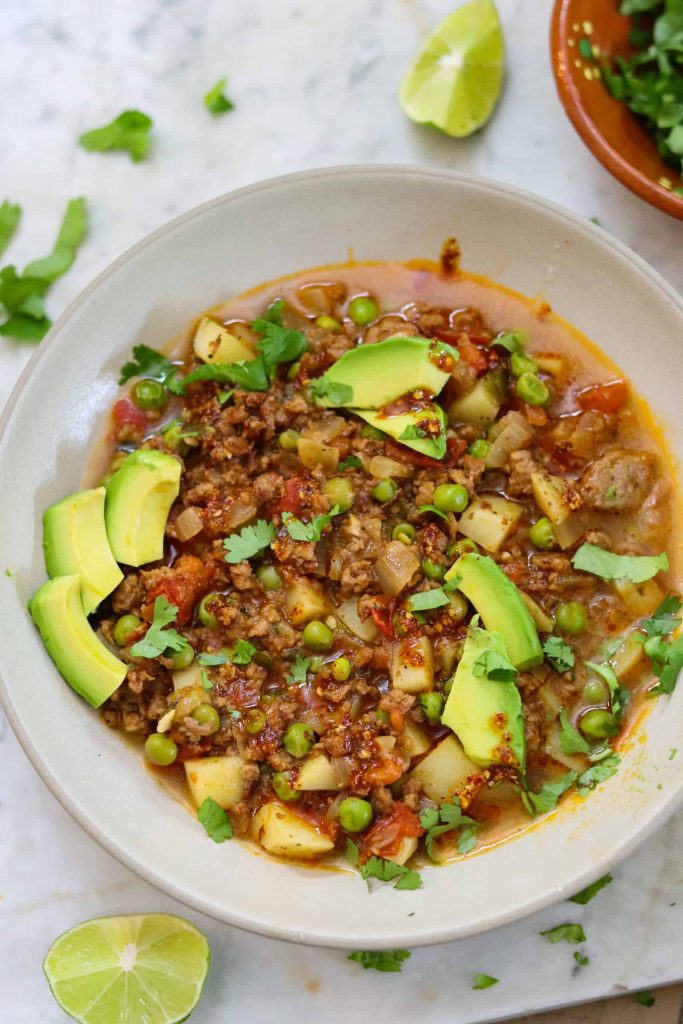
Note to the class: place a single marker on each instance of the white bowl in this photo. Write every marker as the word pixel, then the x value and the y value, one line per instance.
pixel 234 242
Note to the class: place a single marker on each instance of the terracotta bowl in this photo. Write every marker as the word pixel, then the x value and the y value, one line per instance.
pixel 612 133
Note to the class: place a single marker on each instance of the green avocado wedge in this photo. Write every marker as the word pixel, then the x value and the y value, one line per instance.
pixel 75 542
pixel 500 606
pixel 88 666
pixel 485 714
pixel 139 498
pixel 423 430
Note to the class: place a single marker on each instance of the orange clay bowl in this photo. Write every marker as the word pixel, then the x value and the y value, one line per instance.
pixel 612 133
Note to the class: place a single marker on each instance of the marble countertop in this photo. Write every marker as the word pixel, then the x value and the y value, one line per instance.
pixel 314 85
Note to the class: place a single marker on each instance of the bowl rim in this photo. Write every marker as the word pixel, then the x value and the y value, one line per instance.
pixel 148 872
pixel 608 156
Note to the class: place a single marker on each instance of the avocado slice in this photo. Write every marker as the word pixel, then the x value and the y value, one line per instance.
pixel 486 715
pixel 500 605
pixel 423 430
pixel 139 498
pixel 370 376
pixel 88 666
pixel 75 542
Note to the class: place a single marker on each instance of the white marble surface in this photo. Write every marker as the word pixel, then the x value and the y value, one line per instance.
pixel 314 84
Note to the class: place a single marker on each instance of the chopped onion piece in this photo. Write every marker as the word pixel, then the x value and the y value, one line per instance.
pixel 382 468
pixel 348 613
pixel 240 512
pixel 189 523
pixel 396 567
pixel 327 429
pixel 314 453
pixel 515 434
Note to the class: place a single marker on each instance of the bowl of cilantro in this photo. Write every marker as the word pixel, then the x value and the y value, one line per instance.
pixel 619 73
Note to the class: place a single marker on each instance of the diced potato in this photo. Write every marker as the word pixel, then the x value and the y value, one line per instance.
pixel 550 363
pixel 568 532
pixel 549 696
pixel 315 454
pixel 543 622
pixel 317 772
pixel 640 598
pixel 285 834
pixel 386 742
pixel 556 498
pixel 396 567
pixel 479 406
pixel 190 676
pixel 304 602
pixel 553 747
pixel 213 344
pixel 364 629
pixel 489 521
pixel 414 740
pixel 630 654
pixel 412 665
pixel 406 849
pixel 445 771
pixel 217 777
pixel 383 468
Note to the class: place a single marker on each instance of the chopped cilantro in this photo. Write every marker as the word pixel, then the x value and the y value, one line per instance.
pixel 225 396
pixel 644 998
pixel 512 341
pixel 665 618
pixel 250 541
pixel 599 772
pixel 252 375
pixel 383 870
pixel 494 666
pixel 215 101
pixel 668 668
pixel 672 753
pixel 608 566
pixel 611 493
pixel 213 658
pixel 434 509
pixel 581 959
pixel 573 933
pixel 606 673
pixel 447 818
pixel 548 795
pixel 585 48
pixel 206 682
pixel 571 740
pixel 10 215
pixel 147 362
pixel 243 652
pixel 129 132
pixel 350 462
pixel 427 600
pixel 215 820
pixel 312 531
pixel 388 961
pixel 158 639
pixel 559 654
pixel 413 432
pixel 332 393
pixel 272 315
pixel 482 981
pixel 587 894
pixel 298 670
pixel 278 344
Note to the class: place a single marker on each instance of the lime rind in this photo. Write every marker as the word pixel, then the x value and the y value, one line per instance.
pixel 133 969
pixel 456 79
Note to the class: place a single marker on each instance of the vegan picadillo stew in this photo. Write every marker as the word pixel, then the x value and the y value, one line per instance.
pixel 379 566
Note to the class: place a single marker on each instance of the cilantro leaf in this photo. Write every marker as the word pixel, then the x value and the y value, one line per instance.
pixel 512 341
pixel 215 101
pixel 71 234
pixel 331 392
pixel 608 566
pixel 215 820
pixel 243 652
pixel 350 462
pixel 383 870
pixel 352 853
pixel 273 315
pixel 571 740
pixel 494 666
pixel 10 215
pixel 668 671
pixel 147 362
pixel 158 639
pixel 598 773
pixel 587 894
pixel 387 961
pixel 483 981
pixel 573 933
pixel 581 959
pixel 427 600
pixel 309 531
pixel 249 541
pixel 298 670
pixel 644 998
pixel 606 673
pixel 559 654
pixel 665 618
pixel 434 509
pixel 548 795
pixel 278 344
pixel 213 658
pixel 129 132
pixel 252 374
pixel 206 682
pixel 446 818
pixel 25 328
pixel 413 432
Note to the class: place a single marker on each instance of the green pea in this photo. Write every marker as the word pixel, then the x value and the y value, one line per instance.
pixel 283 788
pixel 597 724
pixel 451 497
pixel 318 636
pixel 570 617
pixel 341 669
pixel 519 364
pixel 206 714
pixel 293 370
pixel 432 706
pixel 382 716
pixel 254 721
pixel 480 448
pixel 372 433
pixel 363 310
pixel 384 490
pixel 125 629
pixel 340 492
pixel 459 606
pixel 595 692
pixel 354 814
pixel 269 577
pixel 206 617
pixel 328 323
pixel 465 546
pixel 288 440
pixel 160 749
pixel 150 394
pixel 432 570
pixel 541 534
pixel 404 532
pixel 183 657
pixel 532 390
pixel 298 739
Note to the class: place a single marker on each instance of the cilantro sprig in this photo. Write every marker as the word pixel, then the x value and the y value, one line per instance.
pixel 571 740
pixel 249 541
pixel 548 796
pixel 10 215
pixel 591 891
pixel 158 637
pixel 383 870
pixel 129 132
pixel 215 820
pixel 609 566
pixel 298 670
pixel 573 933
pixel 437 597
pixel 495 666
pixel 147 362
pixel 559 654
pixel 312 531
pixel 216 102
pixel 389 961
pixel 597 773
pixel 437 821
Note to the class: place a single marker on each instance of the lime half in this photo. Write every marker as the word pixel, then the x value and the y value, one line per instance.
pixel 455 81
pixel 141 969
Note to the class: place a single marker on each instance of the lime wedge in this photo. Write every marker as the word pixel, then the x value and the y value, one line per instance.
pixel 142 969
pixel 455 81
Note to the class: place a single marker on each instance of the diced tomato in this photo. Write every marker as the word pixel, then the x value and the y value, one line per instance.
pixel 535 415
pixel 185 584
pixel 384 838
pixel 455 447
pixel 603 397
pixel 389 770
pixel 295 497
pixel 382 612
pixel 125 412
pixel 472 355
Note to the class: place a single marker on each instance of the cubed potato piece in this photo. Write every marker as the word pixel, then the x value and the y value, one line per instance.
pixel 444 772
pixel 213 344
pixel 543 622
pixel 190 676
pixel 414 740
pixel 479 406
pixel 550 363
pixel 412 665
pixel 285 834
pixel 489 521
pixel 630 654
pixel 640 598
pixel 555 497
pixel 386 742
pixel 217 777
pixel 316 772
pixel 396 567
pixel 316 455
pixel 406 849
pixel 364 629
pixel 304 602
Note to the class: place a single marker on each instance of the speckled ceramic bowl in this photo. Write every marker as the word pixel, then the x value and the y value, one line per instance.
pixel 148 295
